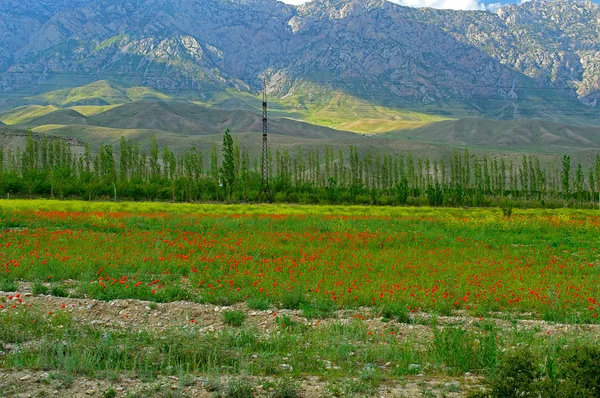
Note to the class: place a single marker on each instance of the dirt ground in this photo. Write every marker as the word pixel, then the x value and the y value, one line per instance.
pixel 208 318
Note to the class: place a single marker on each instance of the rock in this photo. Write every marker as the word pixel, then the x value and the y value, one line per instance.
pixel 423 55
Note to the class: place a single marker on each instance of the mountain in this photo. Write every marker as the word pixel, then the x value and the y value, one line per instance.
pixel 540 59
pixel 524 135
pixel 183 119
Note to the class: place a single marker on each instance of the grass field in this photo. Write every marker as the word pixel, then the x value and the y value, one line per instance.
pixel 366 301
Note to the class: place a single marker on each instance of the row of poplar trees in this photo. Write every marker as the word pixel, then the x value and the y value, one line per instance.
pixel 47 167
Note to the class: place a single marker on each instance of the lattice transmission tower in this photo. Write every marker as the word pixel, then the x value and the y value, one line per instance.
pixel 265 147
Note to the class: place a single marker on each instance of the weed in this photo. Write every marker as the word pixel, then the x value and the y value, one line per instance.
pixel 39 288
pixel 57 291
pixel 285 388
pixel 64 380
pixel 293 299
pixel 286 322
pixel 8 285
pixel 320 309
pixel 395 311
pixel 110 393
pixel 239 388
pixel 234 318
pixel 259 304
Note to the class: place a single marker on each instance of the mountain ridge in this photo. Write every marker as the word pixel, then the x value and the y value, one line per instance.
pixel 504 65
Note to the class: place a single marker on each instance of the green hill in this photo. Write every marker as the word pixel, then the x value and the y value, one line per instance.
pixel 528 135
pixel 192 119
pixel 25 114
pixel 101 92
pixel 61 116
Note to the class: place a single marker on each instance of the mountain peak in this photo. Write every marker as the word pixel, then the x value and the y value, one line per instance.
pixel 534 59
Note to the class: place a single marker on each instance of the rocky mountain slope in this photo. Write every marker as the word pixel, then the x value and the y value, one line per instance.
pixel 541 59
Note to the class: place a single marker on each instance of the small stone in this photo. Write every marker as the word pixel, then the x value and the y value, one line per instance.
pixel 27 377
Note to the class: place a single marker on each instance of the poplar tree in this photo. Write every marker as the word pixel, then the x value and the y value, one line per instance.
pixel 566 174
pixel 228 172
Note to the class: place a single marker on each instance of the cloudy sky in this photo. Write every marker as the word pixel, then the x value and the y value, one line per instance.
pixel 451 4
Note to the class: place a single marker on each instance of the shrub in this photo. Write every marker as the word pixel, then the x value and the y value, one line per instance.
pixel 507 208
pixel 579 372
pixel 8 286
pixel 575 374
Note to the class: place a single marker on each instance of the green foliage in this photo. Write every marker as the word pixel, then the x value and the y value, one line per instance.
pixel 39 288
pixel 570 372
pixel 234 318
pixel 285 322
pixel 260 304
pixel 517 375
pixel 58 291
pixel 578 372
pixel 228 169
pixel 285 388
pixel 110 393
pixel 395 311
pixel 7 285
pixel 507 208
pixel 49 168
pixel 239 388
pixel 293 299
pixel 318 309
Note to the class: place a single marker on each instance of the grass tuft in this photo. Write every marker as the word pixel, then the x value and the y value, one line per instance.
pixel 234 318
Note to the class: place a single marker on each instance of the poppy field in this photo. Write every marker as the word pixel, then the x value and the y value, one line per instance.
pixel 253 300
pixel 541 264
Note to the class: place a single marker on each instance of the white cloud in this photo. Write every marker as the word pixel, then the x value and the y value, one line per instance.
pixel 444 4
pixel 494 7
